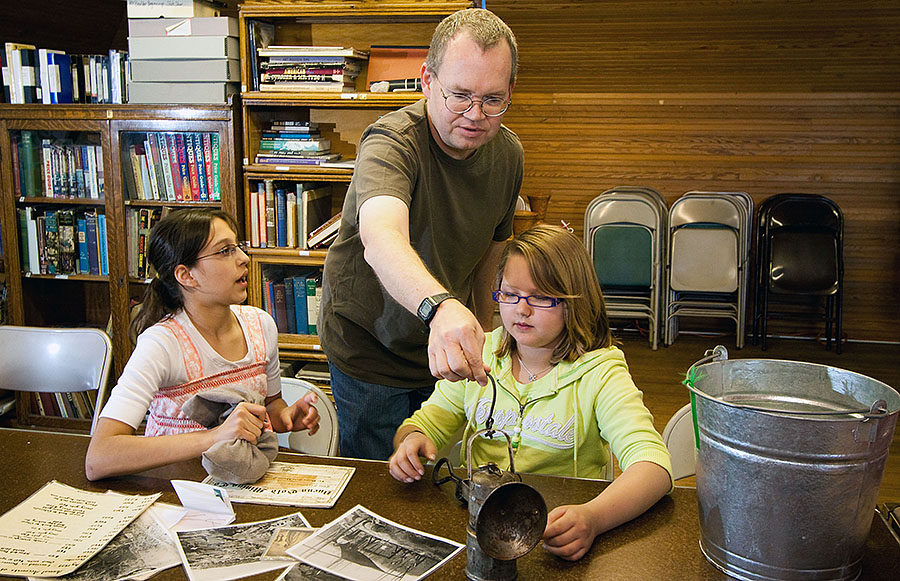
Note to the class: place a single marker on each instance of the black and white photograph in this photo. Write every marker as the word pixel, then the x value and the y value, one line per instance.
pixel 285 538
pixel 234 551
pixel 304 572
pixel 363 546
pixel 142 549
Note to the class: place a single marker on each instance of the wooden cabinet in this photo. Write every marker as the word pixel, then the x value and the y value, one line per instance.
pixel 341 117
pixel 95 141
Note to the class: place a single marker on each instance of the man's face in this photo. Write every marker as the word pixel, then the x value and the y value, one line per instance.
pixel 469 71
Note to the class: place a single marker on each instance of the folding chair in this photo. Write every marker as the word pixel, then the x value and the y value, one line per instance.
pixel 325 441
pixel 51 360
pixel 800 257
pixel 679 438
pixel 707 260
pixel 623 233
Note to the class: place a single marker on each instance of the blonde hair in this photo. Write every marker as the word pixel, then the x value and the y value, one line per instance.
pixel 560 267
pixel 485 28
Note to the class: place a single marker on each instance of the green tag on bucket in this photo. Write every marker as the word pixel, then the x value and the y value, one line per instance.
pixel 694 419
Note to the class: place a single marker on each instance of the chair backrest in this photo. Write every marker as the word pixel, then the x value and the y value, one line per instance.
pixel 43 359
pixel 707 245
pixel 678 436
pixel 325 441
pixel 800 244
pixel 623 255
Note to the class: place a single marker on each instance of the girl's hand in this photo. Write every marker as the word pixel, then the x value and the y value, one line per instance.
pixel 570 532
pixel 244 423
pixel 303 415
pixel 404 464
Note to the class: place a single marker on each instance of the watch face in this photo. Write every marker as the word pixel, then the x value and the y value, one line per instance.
pixel 425 310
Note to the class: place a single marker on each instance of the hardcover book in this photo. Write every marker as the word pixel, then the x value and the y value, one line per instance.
pixel 93 241
pixel 66 225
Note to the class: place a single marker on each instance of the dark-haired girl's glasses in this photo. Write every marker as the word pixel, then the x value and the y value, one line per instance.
pixel 226 251
pixel 537 301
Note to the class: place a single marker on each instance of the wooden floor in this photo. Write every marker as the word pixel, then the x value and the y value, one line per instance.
pixel 659 374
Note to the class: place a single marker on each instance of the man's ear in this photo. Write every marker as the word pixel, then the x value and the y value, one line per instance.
pixel 427 79
pixel 184 277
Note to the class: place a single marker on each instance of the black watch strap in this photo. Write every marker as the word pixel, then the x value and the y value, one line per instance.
pixel 429 305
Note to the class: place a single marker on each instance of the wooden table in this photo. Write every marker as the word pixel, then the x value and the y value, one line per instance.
pixel 661 544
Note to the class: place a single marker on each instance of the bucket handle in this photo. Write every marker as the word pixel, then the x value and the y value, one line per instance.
pixel 717 353
pixel 720 353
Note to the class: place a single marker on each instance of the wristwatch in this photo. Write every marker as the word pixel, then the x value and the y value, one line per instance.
pixel 428 307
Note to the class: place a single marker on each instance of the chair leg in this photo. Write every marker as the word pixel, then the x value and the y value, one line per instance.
pixel 838 317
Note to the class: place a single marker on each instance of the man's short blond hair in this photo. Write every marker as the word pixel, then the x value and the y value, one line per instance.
pixel 485 28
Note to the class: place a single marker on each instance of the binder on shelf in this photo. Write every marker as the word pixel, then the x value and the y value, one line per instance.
pixel 171 8
pixel 183 47
pixel 185 26
pixel 185 93
pixel 224 70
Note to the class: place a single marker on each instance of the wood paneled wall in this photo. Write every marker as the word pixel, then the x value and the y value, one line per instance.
pixel 763 97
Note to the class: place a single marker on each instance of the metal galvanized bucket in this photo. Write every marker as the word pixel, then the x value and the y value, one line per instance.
pixel 790 459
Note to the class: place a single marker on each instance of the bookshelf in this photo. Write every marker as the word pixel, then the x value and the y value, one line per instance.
pixel 92 297
pixel 341 117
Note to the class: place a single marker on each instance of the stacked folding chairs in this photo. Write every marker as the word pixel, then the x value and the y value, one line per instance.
pixel 625 234
pixel 709 240
pixel 800 256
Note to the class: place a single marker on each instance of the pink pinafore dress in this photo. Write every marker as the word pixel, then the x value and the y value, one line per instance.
pixel 165 417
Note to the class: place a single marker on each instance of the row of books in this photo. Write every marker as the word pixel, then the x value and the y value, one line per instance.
pixel 283 213
pixel 63 242
pixel 288 142
pixel 77 404
pixel 293 301
pixel 57 167
pixel 172 166
pixel 138 223
pixel 309 68
pixel 48 76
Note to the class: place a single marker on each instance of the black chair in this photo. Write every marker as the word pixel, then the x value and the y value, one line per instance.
pixel 799 262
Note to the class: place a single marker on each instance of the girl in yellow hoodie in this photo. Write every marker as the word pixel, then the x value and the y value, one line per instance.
pixel 564 394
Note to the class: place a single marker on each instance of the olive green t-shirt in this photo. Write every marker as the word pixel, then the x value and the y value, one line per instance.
pixel 456 209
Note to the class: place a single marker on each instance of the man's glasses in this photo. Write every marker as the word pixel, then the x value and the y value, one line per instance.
pixel 460 103
pixel 537 301
pixel 226 251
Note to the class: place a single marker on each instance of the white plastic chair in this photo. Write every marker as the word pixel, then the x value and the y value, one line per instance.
pixel 325 441
pixel 678 437
pixel 50 360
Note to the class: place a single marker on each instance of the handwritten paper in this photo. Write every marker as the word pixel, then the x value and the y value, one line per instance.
pixel 58 528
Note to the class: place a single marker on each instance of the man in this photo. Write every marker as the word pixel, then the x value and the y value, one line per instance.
pixel 406 290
